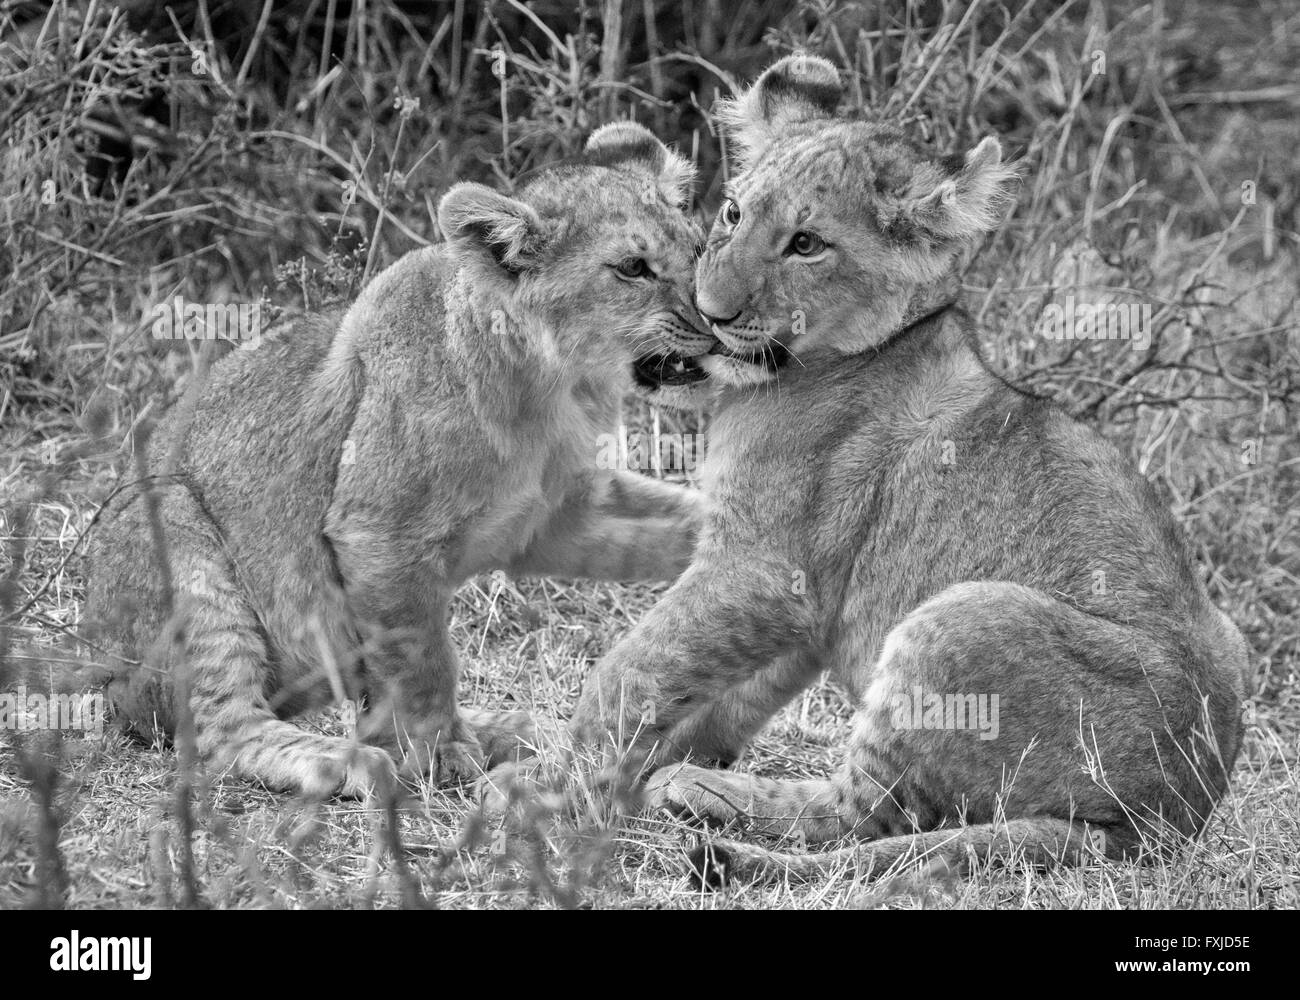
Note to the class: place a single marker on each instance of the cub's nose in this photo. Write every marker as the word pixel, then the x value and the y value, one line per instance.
pixel 718 320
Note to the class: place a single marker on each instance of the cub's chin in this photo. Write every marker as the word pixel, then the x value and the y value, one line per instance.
pixel 741 368
pixel 737 372
pixel 673 380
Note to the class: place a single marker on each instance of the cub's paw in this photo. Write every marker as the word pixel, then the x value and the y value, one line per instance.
pixel 620 711
pixel 328 766
pixel 455 762
pixel 437 750
pixel 443 762
pixel 513 781
pixel 695 794
pixel 586 727
pixel 503 736
pixel 368 771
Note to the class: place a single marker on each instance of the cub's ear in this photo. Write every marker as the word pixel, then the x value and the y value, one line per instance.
pixel 963 204
pixel 508 229
pixel 623 142
pixel 798 88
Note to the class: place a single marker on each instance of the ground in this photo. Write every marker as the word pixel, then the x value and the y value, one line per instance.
pixel 528 644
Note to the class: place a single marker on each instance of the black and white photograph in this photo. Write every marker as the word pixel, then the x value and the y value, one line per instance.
pixel 630 455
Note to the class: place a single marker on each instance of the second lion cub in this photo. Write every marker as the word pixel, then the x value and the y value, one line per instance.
pixel 1030 648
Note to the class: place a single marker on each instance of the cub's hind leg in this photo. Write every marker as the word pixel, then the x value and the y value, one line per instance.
pixel 994 700
pixel 994 692
pixel 223 649
pixel 124 615
pixel 234 723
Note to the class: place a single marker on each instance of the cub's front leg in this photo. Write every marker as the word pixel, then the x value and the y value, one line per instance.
pixel 400 607
pixel 618 526
pixel 714 629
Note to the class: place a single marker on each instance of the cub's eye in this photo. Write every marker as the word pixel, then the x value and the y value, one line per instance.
pixel 807 244
pixel 634 267
pixel 731 213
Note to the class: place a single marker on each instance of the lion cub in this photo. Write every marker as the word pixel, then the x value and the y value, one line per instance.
pixel 1014 611
pixel 337 484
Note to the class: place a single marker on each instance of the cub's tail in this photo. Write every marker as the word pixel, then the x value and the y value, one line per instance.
pixel 1042 841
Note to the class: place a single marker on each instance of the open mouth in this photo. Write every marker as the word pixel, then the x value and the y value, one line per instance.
pixel 655 370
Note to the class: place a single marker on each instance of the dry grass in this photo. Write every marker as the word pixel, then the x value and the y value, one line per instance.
pixel 228 186
pixel 259 849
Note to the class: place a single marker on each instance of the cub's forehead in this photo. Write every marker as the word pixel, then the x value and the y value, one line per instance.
pixel 586 190
pixel 650 229
pixel 621 207
pixel 848 162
